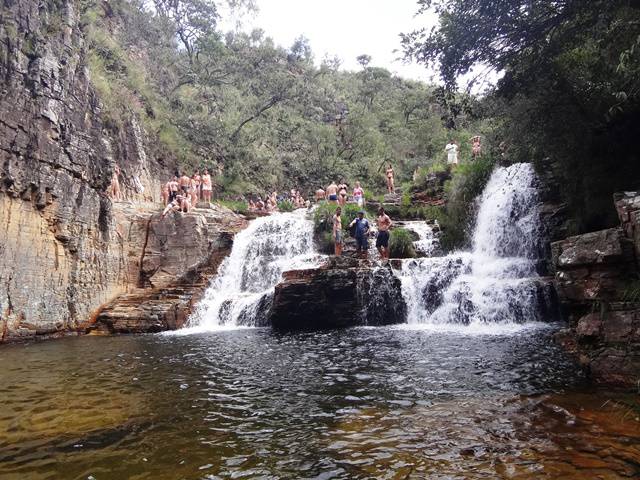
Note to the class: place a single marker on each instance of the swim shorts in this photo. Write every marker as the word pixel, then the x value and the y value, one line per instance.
pixel 383 239
pixel 338 237
pixel 362 243
pixel 333 198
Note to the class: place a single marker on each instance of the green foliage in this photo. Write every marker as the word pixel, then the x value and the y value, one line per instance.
pixel 401 243
pixel 632 292
pixel 286 206
pixel 235 206
pixel 466 184
pixel 570 97
pixel 323 215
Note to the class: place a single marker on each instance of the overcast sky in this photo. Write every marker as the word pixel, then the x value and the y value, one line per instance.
pixel 344 28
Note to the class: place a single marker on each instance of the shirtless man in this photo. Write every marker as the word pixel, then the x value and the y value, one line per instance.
pixel 184 182
pixel 382 242
pixel 390 179
pixel 337 232
pixel 319 195
pixel 332 192
pixel 206 186
pixel 173 188
pixel 114 189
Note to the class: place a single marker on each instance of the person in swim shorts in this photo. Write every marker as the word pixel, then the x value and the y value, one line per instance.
pixel 332 192
pixel 382 241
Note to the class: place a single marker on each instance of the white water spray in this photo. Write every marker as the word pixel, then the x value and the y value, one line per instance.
pixel 242 290
pixel 497 281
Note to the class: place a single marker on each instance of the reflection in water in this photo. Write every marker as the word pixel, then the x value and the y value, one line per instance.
pixel 362 403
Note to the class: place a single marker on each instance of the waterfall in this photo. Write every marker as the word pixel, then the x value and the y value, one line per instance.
pixel 497 281
pixel 428 243
pixel 241 293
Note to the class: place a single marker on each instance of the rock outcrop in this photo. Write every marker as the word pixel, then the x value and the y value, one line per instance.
pixel 179 255
pixel 594 275
pixel 343 292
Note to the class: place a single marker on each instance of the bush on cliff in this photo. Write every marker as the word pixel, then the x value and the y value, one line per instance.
pixel 401 243
pixel 324 212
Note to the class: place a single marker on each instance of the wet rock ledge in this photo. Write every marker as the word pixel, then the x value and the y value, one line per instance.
pixel 343 292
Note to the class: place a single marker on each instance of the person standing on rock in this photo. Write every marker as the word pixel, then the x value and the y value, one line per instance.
pixel 382 241
pixel 358 195
pixel 173 188
pixel 115 183
pixel 337 231
pixel 184 182
pixel 452 153
pixel 206 186
pixel 361 234
pixel 390 179
pixel 332 192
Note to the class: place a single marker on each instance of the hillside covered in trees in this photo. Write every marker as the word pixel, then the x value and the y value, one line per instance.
pixel 262 115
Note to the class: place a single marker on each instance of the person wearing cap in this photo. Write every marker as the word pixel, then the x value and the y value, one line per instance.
pixel 362 230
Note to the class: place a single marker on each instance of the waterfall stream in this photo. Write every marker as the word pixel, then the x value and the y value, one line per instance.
pixel 496 282
pixel 241 292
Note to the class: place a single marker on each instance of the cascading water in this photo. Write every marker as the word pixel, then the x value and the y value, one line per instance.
pixel 497 281
pixel 428 243
pixel 241 292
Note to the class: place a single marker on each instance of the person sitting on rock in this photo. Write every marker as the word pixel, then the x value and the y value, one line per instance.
pixel 361 233
pixel 337 232
pixel 174 205
pixel 319 195
pixel 382 241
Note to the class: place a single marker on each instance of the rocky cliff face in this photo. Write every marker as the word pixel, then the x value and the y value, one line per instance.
pixel 65 247
pixel 595 277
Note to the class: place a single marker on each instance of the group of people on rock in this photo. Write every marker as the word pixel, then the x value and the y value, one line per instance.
pixel 183 192
pixel 361 228
pixel 269 203
pixel 339 194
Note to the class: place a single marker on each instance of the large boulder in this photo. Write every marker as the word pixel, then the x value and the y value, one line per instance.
pixel 343 292
pixel 595 266
pixel 628 208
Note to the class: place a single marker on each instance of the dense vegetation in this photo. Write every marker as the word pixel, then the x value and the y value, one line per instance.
pixel 263 116
pixel 570 90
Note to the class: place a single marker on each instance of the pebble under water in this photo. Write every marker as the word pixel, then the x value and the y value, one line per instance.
pixel 390 403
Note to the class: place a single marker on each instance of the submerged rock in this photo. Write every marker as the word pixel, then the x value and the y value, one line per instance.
pixel 343 292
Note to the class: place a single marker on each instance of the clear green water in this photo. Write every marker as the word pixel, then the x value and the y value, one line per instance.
pixel 361 403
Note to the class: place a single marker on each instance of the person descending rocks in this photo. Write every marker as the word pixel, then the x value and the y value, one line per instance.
pixel 391 188
pixel 332 192
pixel 452 153
pixel 361 234
pixel 382 241
pixel 358 195
pixel 337 232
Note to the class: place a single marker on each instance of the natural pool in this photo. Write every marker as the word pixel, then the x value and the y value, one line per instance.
pixel 361 403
